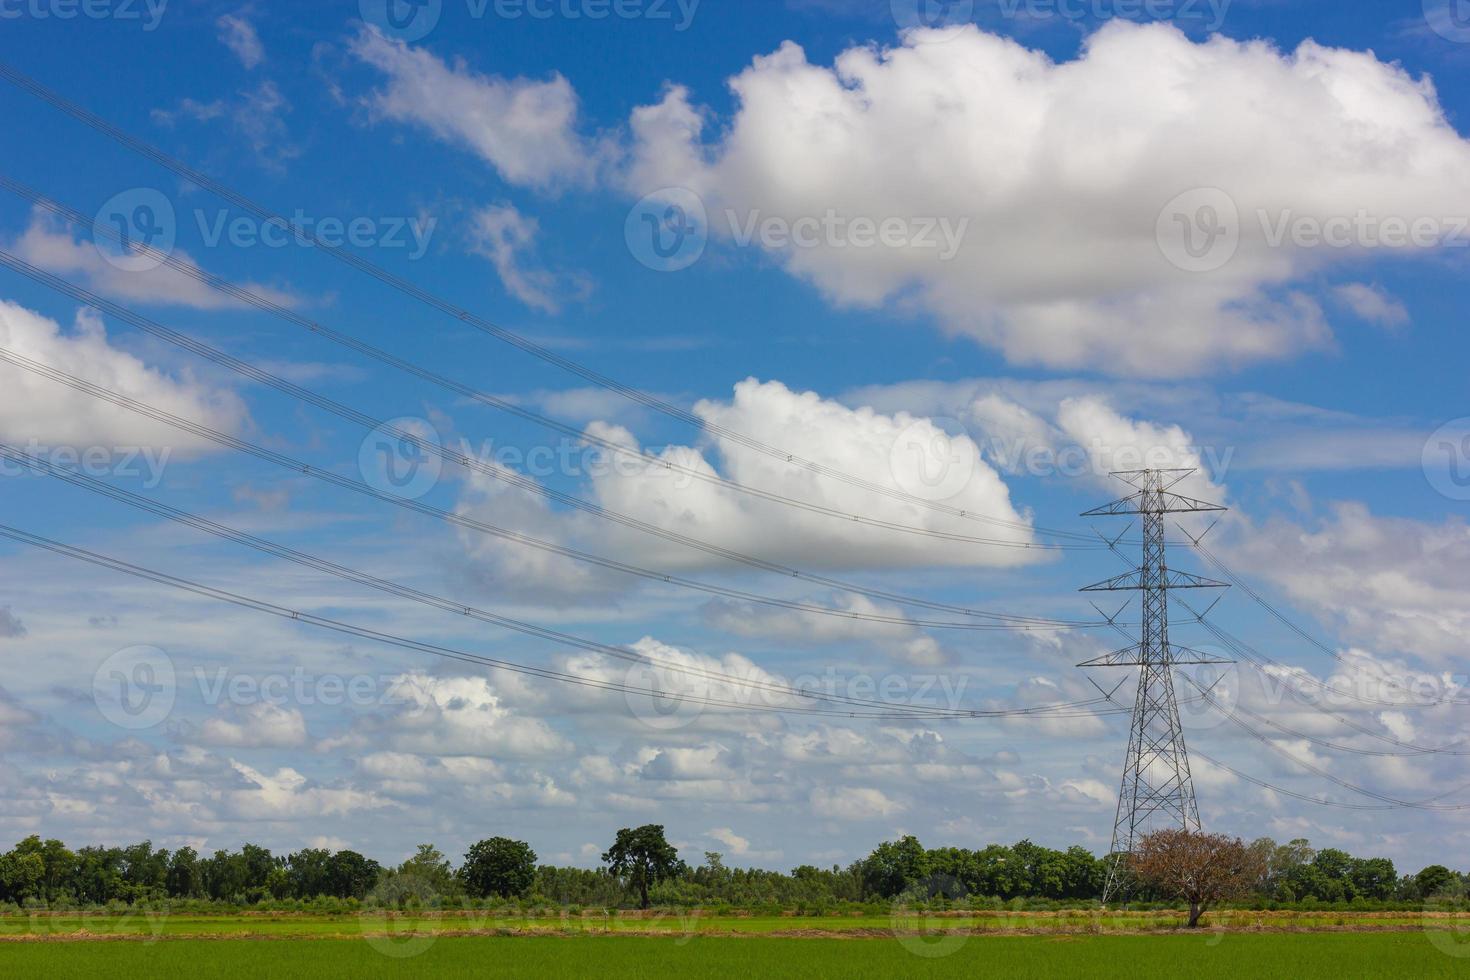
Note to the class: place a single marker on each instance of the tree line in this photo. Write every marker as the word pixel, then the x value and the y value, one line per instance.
pixel 641 868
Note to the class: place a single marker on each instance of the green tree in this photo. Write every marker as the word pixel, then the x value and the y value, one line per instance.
pixel 894 866
pixel 643 856
pixel 1434 879
pixel 351 875
pixel 185 878
pixel 1373 877
pixel 310 872
pixel 429 866
pixel 498 866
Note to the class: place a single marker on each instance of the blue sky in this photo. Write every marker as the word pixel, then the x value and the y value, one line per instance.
pixel 1107 247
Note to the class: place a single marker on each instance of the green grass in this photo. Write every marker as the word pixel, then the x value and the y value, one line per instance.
pixel 355 925
pixel 1199 956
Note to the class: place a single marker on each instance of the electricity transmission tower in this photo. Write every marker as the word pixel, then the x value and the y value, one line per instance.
pixel 1157 789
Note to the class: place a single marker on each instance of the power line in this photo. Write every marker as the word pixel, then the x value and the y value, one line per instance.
pixel 437 650
pixel 1260 661
pixel 1005 621
pixel 267 305
pixel 150 152
pixel 348 573
pixel 341 410
pixel 1282 618
pixel 1415 751
pixel 1429 804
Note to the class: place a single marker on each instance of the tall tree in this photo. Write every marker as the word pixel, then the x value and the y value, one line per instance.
pixel 643 856
pixel 498 866
pixel 1202 869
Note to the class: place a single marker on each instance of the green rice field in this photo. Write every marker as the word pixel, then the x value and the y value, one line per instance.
pixel 1198 956
pixel 1037 944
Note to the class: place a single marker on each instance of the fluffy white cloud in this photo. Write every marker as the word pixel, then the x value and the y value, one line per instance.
pixel 1373 304
pixel 238 34
pixel 461 716
pixel 525 129
pixel 1064 171
pixel 504 235
pixel 35 408
pixel 894 451
pixel 259 725
pixel 1390 582
pixel 47 245
pixel 853 803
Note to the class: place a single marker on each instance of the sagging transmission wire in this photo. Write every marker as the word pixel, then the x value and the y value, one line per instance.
pixel 1407 752
pixel 1005 622
pixel 228 533
pixel 1282 618
pixel 1428 804
pixel 893 712
pixel 266 304
pixel 140 147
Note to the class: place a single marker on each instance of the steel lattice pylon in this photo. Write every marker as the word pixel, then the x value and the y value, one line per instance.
pixel 1157 789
